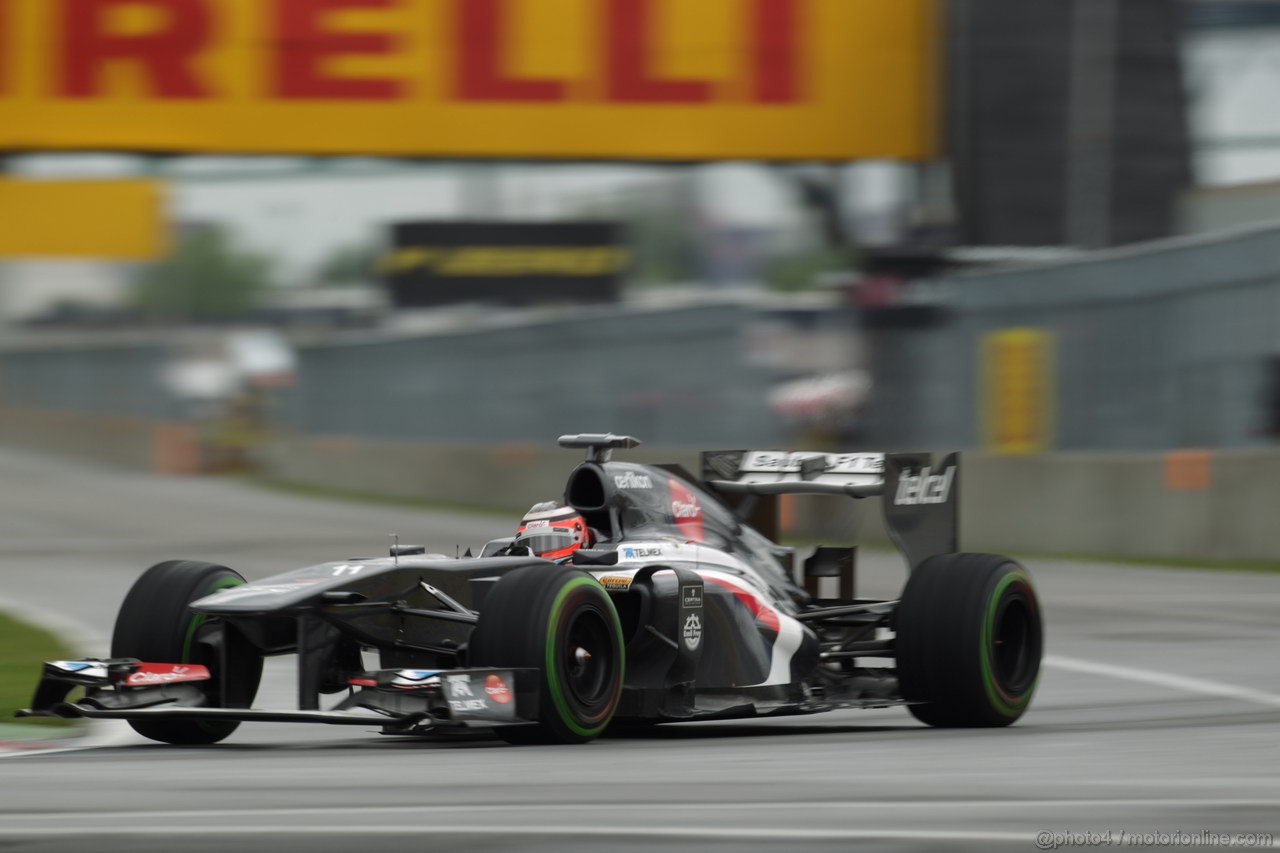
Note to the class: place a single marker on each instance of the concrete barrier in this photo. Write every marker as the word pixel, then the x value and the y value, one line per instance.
pixel 1073 503
pixel 1242 516
pixel 112 440
pixel 1182 505
pixel 508 477
pixel 118 440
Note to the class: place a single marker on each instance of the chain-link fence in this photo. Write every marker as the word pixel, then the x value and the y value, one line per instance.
pixel 676 376
pixel 92 379
pixel 1160 346
pixel 1165 345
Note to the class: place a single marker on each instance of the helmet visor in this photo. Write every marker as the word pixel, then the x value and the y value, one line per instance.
pixel 546 540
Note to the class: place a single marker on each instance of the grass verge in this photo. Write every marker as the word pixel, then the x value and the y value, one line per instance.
pixel 23 648
pixel 1201 563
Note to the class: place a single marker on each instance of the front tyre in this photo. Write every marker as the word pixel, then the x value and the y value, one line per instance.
pixel 969 640
pixel 156 624
pixel 562 623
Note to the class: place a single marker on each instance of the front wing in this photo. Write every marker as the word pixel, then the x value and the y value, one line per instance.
pixel 401 701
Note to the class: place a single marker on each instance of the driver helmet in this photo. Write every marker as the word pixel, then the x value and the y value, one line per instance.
pixel 551 531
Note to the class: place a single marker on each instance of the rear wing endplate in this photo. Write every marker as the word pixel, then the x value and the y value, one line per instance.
pixel 920 495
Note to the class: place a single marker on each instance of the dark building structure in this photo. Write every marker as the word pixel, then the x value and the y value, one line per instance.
pixel 1067 120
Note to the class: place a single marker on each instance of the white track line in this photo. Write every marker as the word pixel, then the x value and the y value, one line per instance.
pixel 100 734
pixel 733 833
pixel 718 833
pixel 242 817
pixel 118 733
pixel 1183 683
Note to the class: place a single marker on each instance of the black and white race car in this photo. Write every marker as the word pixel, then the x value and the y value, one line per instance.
pixel 681 609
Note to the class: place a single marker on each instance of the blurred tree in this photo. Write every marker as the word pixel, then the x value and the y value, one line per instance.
pixel 355 263
pixel 666 248
pixel 800 270
pixel 817 191
pixel 206 277
pixel 663 241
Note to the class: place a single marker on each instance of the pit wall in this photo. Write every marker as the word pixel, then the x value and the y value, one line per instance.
pixel 1183 504
pixel 508 477
pixel 1213 505
pixel 125 441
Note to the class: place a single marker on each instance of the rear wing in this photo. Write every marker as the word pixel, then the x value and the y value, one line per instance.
pixel 919 494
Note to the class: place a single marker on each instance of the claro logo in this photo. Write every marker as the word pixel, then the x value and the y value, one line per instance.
pixel 924 488
pixel 686 510
pixel 496 689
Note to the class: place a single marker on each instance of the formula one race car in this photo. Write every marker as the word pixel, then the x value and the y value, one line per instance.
pixel 677 610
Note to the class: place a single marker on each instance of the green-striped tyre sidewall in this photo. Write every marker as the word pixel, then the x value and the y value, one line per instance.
pixel 525 622
pixel 1009 703
pixel 951 630
pixel 198 619
pixel 555 635
pixel 156 624
pixel 219 728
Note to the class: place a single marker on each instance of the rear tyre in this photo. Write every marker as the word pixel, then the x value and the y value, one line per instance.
pixel 969 641
pixel 561 622
pixel 156 624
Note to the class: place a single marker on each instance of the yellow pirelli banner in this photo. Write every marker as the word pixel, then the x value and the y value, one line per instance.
pixel 121 220
pixel 608 79
pixel 1018 390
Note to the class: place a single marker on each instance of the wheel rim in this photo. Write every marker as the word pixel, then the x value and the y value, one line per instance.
pixel 1016 644
pixel 588 660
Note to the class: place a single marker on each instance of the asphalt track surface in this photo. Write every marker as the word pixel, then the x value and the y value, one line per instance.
pixel 1158 712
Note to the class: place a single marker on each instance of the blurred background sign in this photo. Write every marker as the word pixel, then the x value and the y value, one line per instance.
pixel 621 79
pixel 440 263
pixel 116 219
pixel 1018 390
